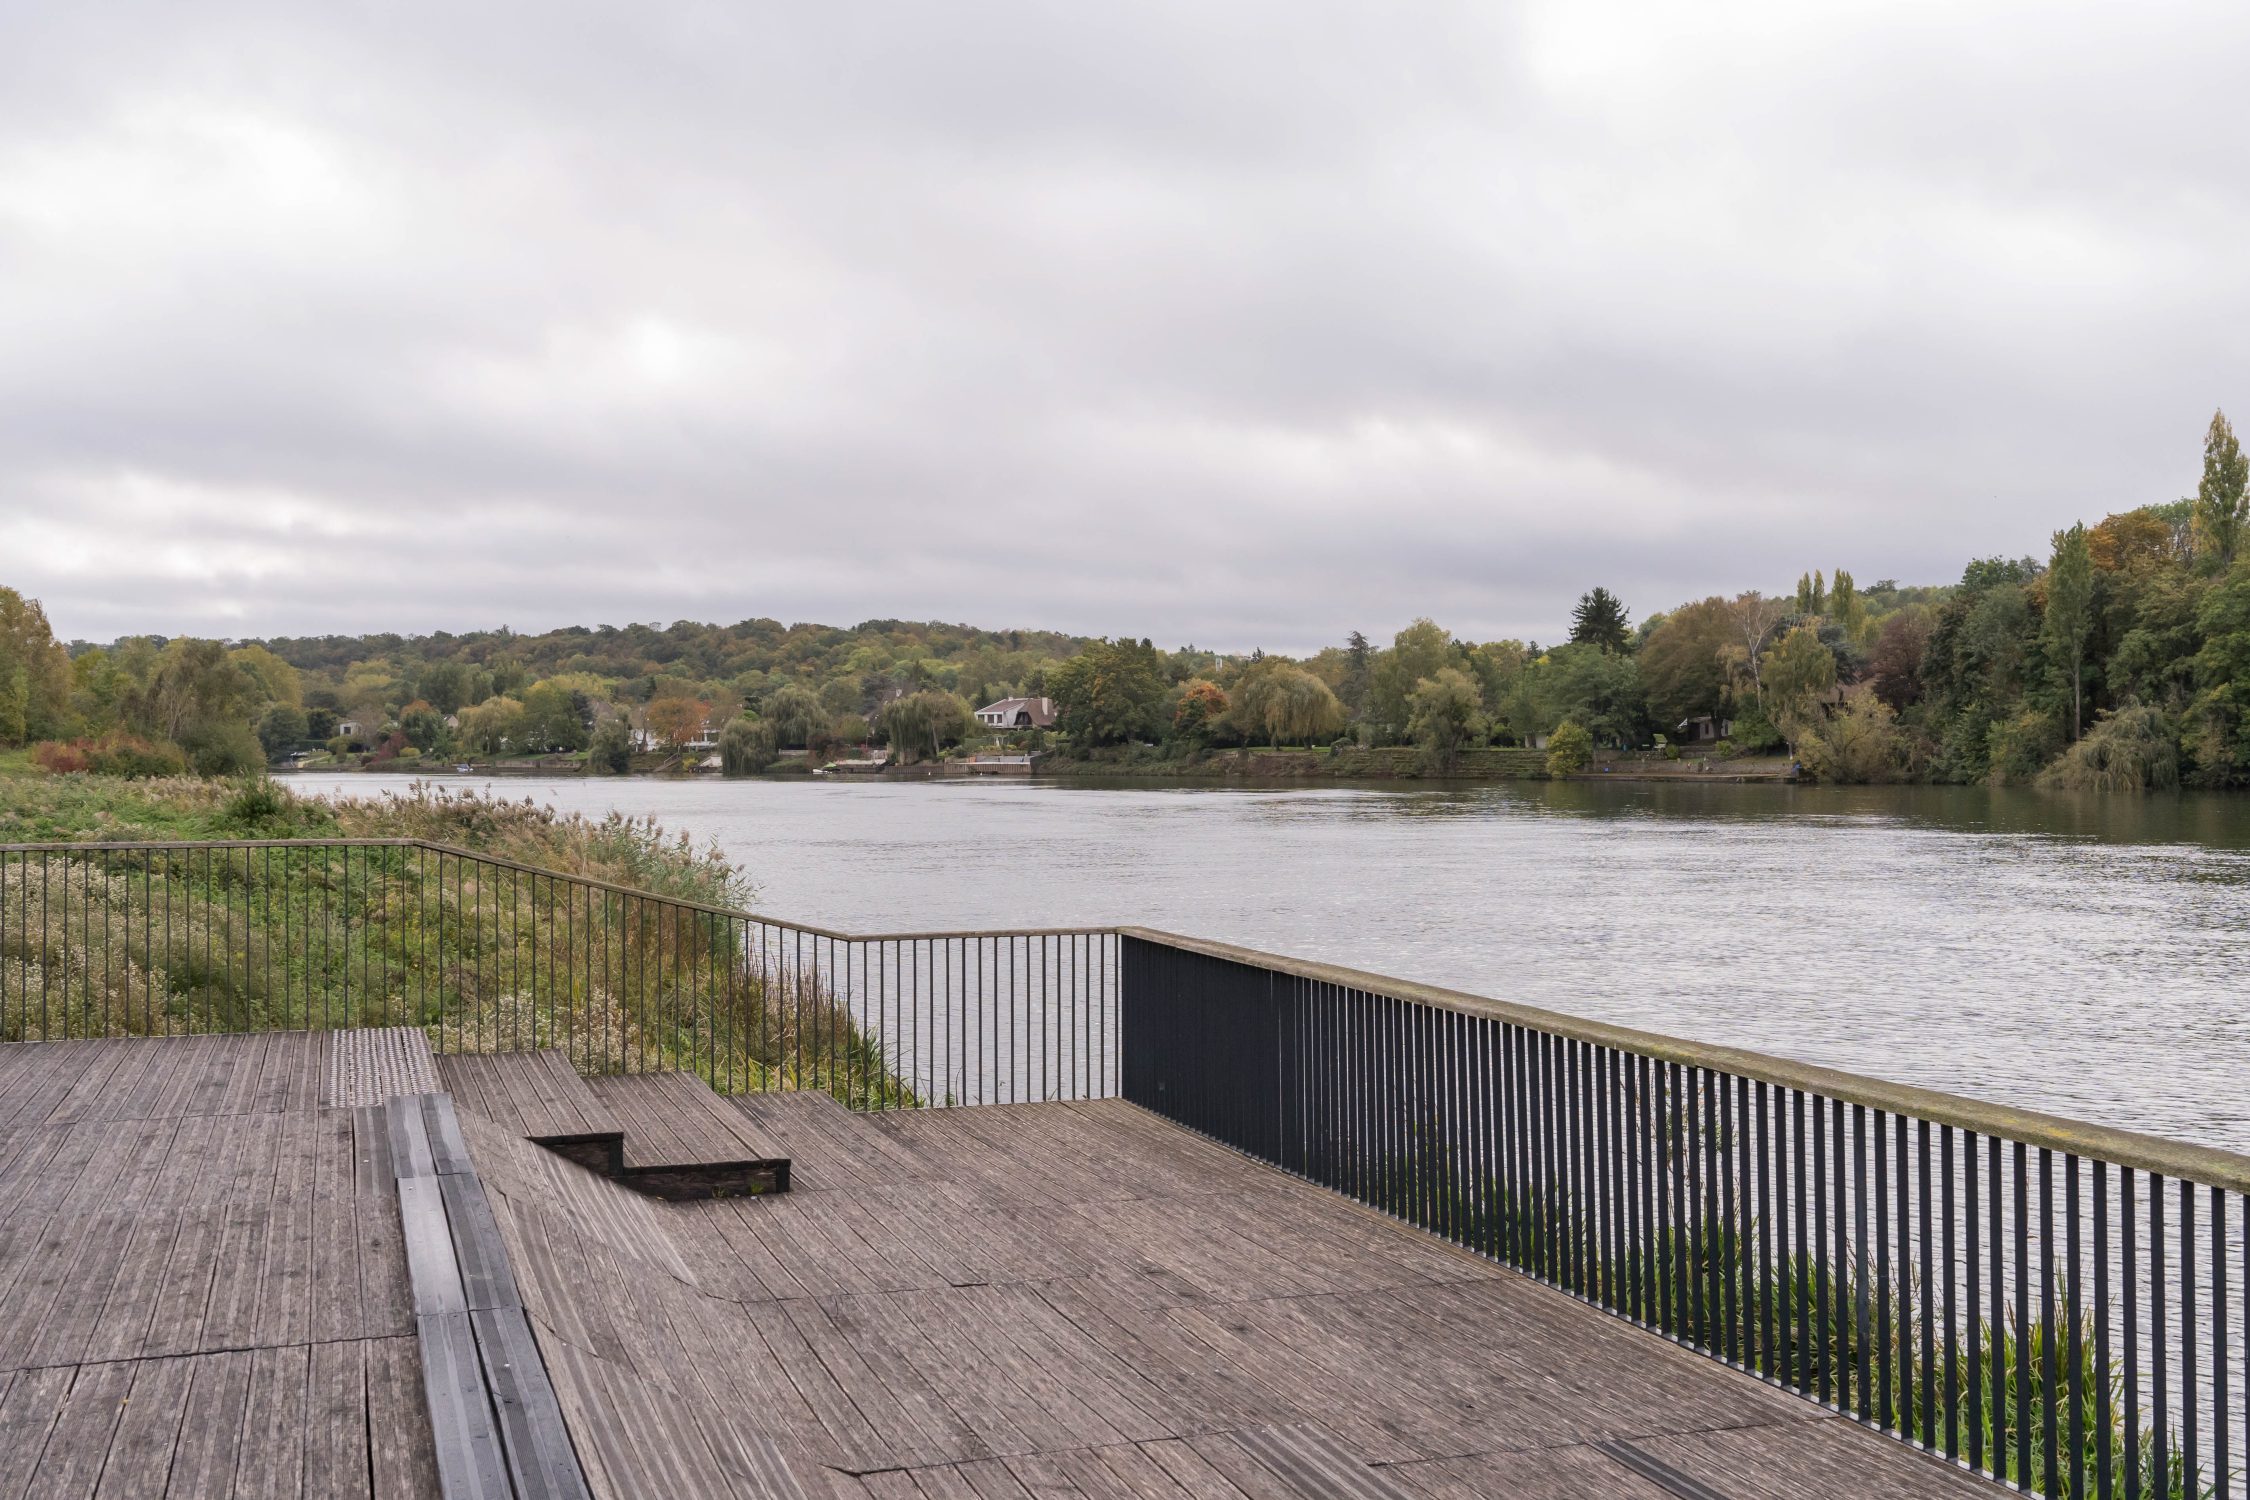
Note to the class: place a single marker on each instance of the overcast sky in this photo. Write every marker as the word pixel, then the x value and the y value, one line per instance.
pixel 1240 324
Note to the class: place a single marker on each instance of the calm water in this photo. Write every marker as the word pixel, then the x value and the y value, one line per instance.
pixel 2085 956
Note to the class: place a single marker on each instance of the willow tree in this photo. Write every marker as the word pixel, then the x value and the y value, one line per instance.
pixel 1290 704
pixel 1448 713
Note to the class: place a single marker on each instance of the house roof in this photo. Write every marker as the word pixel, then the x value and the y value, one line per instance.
pixel 1040 710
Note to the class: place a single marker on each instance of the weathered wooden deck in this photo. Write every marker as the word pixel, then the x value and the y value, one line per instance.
pixel 1084 1300
pixel 203 1291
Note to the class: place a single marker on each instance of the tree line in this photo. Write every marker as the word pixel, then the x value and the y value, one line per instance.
pixel 2120 657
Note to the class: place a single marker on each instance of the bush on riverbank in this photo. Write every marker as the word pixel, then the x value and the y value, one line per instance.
pixel 481 957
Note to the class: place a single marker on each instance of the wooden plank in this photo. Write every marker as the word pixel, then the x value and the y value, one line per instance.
pixel 409 1129
pixel 184 1290
pixel 449 1153
pixel 270 1461
pixel 430 1264
pixel 239 1268
pixel 463 1439
pixel 78 1445
pixel 211 1425
pixel 122 1331
pixel 30 1403
pixel 478 1249
pixel 336 1458
pixel 534 1439
pixel 1314 1464
pixel 139 1464
pixel 402 1455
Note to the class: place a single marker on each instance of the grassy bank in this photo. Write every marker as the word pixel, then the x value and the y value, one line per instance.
pixel 482 957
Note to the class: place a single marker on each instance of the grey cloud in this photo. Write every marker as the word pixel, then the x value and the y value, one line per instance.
pixel 1241 325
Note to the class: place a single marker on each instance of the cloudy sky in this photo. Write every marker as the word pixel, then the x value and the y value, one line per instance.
pixel 1235 324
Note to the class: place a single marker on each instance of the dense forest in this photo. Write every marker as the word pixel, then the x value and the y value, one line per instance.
pixel 2118 657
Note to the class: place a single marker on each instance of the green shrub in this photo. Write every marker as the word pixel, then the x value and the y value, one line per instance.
pixel 2131 750
pixel 1570 748
pixel 611 752
pixel 224 749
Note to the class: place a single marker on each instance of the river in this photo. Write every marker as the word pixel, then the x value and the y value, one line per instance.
pixel 2086 956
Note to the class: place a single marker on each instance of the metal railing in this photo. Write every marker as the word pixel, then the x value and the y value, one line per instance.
pixel 2056 1305
pixel 488 955
pixel 2053 1304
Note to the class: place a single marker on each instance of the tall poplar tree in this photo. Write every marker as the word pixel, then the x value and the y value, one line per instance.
pixel 2219 498
pixel 2070 613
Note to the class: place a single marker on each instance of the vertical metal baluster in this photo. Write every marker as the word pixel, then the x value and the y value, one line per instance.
pixel 1863 1317
pixel 2160 1354
pixel 1926 1384
pixel 1886 1403
pixel 1951 1312
pixel 2191 1395
pixel 1826 1169
pixel 1996 1325
pixel 2023 1316
pixel 2048 1330
pixel 2074 1385
pixel 2104 1416
pixel 2129 1280
pixel 1766 1362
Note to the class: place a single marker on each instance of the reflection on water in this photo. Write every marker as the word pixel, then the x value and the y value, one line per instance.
pixel 2083 955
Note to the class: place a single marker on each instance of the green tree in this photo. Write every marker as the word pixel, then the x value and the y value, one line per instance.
pixel 1593 687
pixel 1846 607
pixel 2219 497
pixel 795 714
pixel 1861 744
pixel 745 747
pixel 1109 693
pixel 1359 675
pixel 610 752
pixel 1288 703
pixel 1416 652
pixel 1447 712
pixel 1681 663
pixel 2219 721
pixel 1599 620
pixel 2070 614
pixel 1570 749
pixel 35 675
pixel 447 686
pixel 1798 671
pixel 1201 709
pixel 554 719
pixel 281 730
pixel 424 727
pixel 925 723
pixel 492 727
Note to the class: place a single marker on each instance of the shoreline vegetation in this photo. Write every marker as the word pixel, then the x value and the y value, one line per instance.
pixel 395 931
pixel 2117 661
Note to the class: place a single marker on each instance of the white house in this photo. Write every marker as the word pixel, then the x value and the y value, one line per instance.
pixel 1018 713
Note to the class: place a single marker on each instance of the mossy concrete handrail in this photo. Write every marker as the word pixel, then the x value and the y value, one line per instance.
pixel 2207 1165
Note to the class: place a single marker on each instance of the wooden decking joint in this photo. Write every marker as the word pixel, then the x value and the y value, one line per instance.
pixel 496 1420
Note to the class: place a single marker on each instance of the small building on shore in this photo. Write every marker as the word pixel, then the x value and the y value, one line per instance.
pixel 1018 713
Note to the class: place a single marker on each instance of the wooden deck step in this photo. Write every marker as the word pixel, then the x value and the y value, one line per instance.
pixel 663 1134
pixel 671 1118
pixel 537 1095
